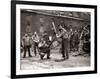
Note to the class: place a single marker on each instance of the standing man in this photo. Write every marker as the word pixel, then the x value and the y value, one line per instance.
pixel 64 36
pixel 71 40
pixel 69 32
pixel 35 39
pixel 76 40
pixel 27 45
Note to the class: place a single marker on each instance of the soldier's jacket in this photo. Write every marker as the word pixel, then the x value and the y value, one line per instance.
pixel 75 37
pixel 26 41
pixel 64 34
pixel 44 46
pixel 35 38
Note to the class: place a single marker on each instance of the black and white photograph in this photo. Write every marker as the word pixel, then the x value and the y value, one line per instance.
pixel 55 39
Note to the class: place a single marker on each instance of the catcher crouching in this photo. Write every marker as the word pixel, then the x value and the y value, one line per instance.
pixel 44 48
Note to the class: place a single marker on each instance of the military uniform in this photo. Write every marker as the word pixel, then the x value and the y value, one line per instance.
pixel 35 39
pixel 27 45
pixel 44 46
pixel 64 50
pixel 76 45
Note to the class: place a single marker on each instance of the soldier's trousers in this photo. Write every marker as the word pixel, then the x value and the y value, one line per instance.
pixel 35 48
pixel 27 48
pixel 43 51
pixel 65 47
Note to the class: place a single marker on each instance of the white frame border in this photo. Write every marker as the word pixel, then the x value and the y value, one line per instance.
pixel 21 72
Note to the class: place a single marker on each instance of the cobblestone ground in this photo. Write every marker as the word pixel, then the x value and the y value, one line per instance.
pixel 34 62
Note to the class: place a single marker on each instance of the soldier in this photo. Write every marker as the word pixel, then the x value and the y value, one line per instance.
pixel 35 39
pixel 69 32
pixel 48 42
pixel 44 46
pixel 76 40
pixel 27 45
pixel 71 40
pixel 41 47
pixel 64 36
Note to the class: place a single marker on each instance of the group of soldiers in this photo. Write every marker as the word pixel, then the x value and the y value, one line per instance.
pixel 70 41
pixel 39 44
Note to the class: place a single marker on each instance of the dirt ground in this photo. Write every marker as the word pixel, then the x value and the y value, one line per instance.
pixel 55 61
